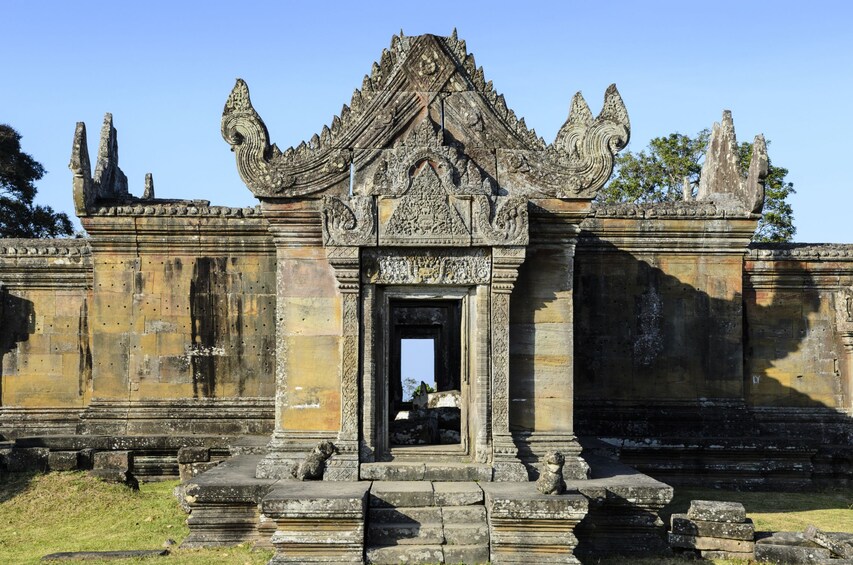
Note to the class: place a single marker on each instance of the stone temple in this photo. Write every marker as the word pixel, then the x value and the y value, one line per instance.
pixel 651 345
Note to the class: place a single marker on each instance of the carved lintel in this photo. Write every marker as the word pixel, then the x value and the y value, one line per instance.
pixel 427 266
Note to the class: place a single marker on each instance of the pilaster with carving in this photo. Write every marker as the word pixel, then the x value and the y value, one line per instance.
pixel 345 261
pixel 505 263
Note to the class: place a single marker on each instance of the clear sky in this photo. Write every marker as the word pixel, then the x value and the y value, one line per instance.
pixel 165 69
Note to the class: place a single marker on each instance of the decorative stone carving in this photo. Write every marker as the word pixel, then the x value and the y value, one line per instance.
pixel 312 467
pixel 581 158
pixel 507 226
pixel 350 223
pixel 551 478
pixel 411 80
pixel 448 267
pixel 109 181
pixel 721 181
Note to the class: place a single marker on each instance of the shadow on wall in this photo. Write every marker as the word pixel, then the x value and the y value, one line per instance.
pixel 18 319
pixel 659 361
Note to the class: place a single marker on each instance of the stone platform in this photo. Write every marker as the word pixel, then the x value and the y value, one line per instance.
pixel 427 521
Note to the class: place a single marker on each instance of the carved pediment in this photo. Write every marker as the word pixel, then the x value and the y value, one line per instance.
pixel 434 80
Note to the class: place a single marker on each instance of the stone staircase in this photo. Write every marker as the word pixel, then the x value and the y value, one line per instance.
pixel 426 522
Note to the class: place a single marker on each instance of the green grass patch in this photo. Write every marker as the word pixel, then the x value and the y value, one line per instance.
pixel 830 510
pixel 57 512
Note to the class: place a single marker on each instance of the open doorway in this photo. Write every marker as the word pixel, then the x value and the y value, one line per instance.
pixel 424 384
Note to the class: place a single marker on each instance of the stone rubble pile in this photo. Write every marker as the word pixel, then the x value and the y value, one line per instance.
pixel 713 530
pixel 808 547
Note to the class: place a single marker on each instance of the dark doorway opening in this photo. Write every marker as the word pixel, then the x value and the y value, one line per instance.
pixel 424 384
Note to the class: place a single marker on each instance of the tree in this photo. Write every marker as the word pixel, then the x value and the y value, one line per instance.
pixel 19 217
pixel 672 164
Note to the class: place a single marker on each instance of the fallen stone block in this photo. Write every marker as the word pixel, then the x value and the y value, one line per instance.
pixel 681 524
pixel 62 460
pixel 122 460
pixel 789 554
pixel 715 544
pixel 837 547
pixel 714 511
pixel 193 455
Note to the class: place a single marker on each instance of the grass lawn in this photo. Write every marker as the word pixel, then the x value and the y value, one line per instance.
pixel 42 514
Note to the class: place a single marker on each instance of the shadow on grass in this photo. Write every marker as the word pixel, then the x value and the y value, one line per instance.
pixel 14 483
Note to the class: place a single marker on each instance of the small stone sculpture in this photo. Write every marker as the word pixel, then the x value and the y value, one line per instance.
pixel 311 469
pixel 551 478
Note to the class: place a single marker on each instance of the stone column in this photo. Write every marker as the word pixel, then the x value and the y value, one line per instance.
pixel 505 263
pixel 844 326
pixel 345 261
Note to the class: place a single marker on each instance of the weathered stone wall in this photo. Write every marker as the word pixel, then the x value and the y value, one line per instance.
pixel 796 310
pixel 162 321
pixel 659 307
pixel 46 371
pixel 696 350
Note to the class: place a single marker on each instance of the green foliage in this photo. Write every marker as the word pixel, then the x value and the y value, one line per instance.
pixel 19 217
pixel 660 172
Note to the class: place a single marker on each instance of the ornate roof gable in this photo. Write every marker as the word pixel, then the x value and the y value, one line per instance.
pixel 429 79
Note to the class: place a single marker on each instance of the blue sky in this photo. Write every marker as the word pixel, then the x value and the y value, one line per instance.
pixel 164 69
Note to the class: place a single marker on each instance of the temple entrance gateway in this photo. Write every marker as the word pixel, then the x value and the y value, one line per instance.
pixel 425 405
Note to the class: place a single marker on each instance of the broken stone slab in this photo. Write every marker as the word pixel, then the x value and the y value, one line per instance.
pixel 62 461
pixel 393 494
pixel 188 471
pixel 789 554
pixel 838 547
pixel 715 544
pixel 457 493
pixel 681 524
pixel 104 555
pixel 715 511
pixel 193 454
pixel 444 399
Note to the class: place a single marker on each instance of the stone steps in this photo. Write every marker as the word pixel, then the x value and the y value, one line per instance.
pixel 426 522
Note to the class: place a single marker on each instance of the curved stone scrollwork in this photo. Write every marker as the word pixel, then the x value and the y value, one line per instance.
pixel 349 225
pixel 264 168
pixel 508 226
pixel 581 158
